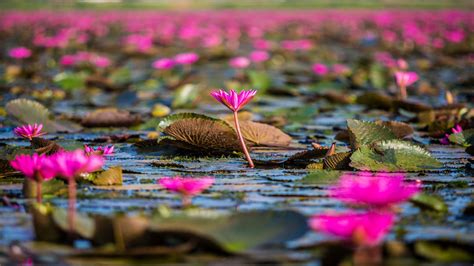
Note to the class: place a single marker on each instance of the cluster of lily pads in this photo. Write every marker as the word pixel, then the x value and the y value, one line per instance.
pixel 167 71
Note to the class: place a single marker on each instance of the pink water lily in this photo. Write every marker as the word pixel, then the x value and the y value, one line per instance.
pixel 258 56
pixel 70 165
pixel 29 131
pixel 405 79
pixel 445 140
pixel 19 52
pixel 365 229
pixel 186 58
pixel 239 62
pixel 186 186
pixel 163 63
pixel 376 190
pixel 320 69
pixel 35 168
pixel 100 150
pixel 235 101
pixel 456 129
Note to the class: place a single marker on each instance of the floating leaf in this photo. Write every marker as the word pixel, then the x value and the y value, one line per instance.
pixel 70 81
pixel 84 226
pixel 429 202
pixel 320 177
pixel 263 135
pixel 338 161
pixel 185 96
pixel 260 80
pixel 393 155
pixel 375 100
pixel 112 176
pixel 31 112
pixel 400 129
pixel 199 132
pixel 462 138
pixel 110 117
pixel 442 253
pixel 239 232
pixel 366 133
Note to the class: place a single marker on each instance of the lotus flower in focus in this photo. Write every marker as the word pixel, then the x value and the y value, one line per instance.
pixel 29 131
pixel 70 164
pixel 233 100
pixel 377 190
pixel 365 229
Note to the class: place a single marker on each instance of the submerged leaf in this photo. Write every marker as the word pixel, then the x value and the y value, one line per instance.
pixel 239 232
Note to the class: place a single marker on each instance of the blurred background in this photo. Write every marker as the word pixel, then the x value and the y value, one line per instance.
pixel 226 4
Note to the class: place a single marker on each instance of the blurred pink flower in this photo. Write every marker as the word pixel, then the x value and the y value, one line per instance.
pixel 340 69
pixel 29 131
pixel 262 44
pixel 377 190
pixel 258 56
pixel 70 164
pixel 239 62
pixel 402 64
pixel 187 186
pixel 163 63
pixel 455 36
pixel 320 69
pixel 19 53
pixel 101 150
pixel 101 61
pixel 67 60
pixel 445 140
pixel 33 166
pixel 405 79
pixel 233 100
pixel 186 58
pixel 366 229
pixel 456 129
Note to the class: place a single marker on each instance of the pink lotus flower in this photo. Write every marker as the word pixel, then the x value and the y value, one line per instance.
pixel 105 150
pixel 378 190
pixel 163 63
pixel 258 56
pixel 366 229
pixel 233 100
pixel 101 61
pixel 29 131
pixel 70 164
pixel 239 62
pixel 456 129
pixel 67 60
pixel 405 79
pixel 402 64
pixel 34 167
pixel 186 186
pixel 19 53
pixel 445 140
pixel 186 58
pixel 320 69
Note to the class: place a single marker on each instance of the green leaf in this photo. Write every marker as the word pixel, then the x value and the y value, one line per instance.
pixel 260 80
pixel 70 81
pixel 83 226
pixel 393 155
pixel 239 232
pixel 185 96
pixel 441 253
pixel 320 177
pixel 31 112
pixel 367 133
pixel 429 202
pixel 377 76
pixel 463 138
pixel 112 176
pixel 121 76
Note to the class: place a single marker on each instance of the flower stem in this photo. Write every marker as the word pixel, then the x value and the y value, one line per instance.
pixel 72 203
pixel 403 92
pixel 186 201
pixel 38 191
pixel 242 142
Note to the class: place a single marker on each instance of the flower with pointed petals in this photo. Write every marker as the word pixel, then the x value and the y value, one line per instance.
pixel 33 166
pixel 365 229
pixel 186 58
pixel 187 186
pixel 70 164
pixel 29 131
pixel 377 190
pixel 405 79
pixel 233 100
pixel 19 53
pixel 456 129
pixel 101 150
pixel 239 62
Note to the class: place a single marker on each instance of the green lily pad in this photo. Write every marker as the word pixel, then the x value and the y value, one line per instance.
pixel 366 133
pixel 70 81
pixel 429 202
pixel 239 232
pixel 393 155
pixel 438 252
pixel 320 177
pixel 112 176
